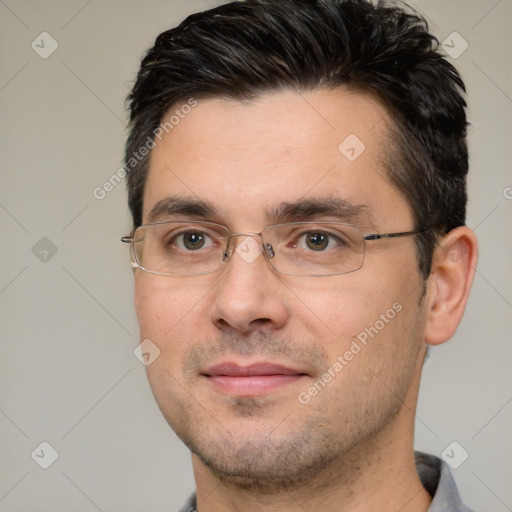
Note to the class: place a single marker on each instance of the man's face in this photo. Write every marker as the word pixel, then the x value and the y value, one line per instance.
pixel 246 160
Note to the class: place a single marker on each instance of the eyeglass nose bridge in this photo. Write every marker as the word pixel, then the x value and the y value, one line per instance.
pixel 268 250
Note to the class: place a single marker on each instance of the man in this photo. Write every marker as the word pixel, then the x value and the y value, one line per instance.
pixel 297 180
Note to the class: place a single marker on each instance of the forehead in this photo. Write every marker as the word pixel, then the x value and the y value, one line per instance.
pixel 246 158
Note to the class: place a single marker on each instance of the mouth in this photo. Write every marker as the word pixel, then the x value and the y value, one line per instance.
pixel 251 380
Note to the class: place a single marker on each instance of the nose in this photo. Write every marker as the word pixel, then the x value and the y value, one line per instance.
pixel 249 296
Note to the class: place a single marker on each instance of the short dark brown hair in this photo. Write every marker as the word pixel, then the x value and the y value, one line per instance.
pixel 242 50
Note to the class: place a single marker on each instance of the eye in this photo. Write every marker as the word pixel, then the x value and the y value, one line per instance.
pixel 192 240
pixel 317 241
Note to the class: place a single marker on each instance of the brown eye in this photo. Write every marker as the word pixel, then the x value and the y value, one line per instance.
pixel 317 241
pixel 192 240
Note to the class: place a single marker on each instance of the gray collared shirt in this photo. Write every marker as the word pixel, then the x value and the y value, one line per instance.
pixel 435 476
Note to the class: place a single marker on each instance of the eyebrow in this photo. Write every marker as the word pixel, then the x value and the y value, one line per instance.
pixel 334 208
pixel 175 206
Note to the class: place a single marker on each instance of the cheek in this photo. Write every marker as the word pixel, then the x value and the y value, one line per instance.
pixel 152 306
pixel 167 313
pixel 165 307
pixel 340 307
pixel 369 308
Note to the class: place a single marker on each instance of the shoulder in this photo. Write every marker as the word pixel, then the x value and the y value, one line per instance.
pixel 437 478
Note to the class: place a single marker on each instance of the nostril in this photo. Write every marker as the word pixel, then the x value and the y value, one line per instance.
pixel 259 322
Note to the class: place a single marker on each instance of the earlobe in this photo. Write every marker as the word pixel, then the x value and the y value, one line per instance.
pixel 453 269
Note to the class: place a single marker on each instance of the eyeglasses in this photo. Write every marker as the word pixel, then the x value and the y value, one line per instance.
pixel 190 248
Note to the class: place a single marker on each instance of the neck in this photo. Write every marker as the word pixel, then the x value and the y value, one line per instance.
pixel 379 474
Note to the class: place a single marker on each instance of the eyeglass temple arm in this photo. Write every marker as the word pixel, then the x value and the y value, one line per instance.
pixel 129 240
pixel 378 236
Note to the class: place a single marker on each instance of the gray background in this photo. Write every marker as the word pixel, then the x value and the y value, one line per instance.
pixel 68 375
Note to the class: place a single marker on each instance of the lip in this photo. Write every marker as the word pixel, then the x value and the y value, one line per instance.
pixel 251 380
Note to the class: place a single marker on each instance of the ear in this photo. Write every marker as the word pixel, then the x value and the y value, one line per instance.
pixel 453 269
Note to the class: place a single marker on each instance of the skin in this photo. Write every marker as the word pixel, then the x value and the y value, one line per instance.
pixel 351 446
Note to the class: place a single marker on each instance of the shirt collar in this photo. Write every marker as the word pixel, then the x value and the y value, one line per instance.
pixel 435 475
